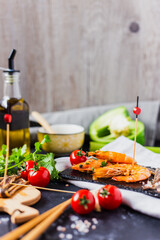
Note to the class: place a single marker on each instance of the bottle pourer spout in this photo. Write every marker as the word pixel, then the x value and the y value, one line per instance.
pixel 11 59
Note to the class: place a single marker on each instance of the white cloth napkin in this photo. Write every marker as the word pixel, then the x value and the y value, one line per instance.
pixel 137 201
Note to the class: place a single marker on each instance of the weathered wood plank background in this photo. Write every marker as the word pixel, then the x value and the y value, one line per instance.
pixel 81 53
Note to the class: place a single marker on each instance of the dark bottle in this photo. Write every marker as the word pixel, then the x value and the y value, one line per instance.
pixel 13 103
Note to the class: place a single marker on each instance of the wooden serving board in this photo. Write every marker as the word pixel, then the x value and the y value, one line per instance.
pixel 17 205
pixel 80 176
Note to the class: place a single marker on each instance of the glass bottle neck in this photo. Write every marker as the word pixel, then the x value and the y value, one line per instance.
pixel 11 85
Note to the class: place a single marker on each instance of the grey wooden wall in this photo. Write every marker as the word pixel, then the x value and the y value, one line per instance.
pixel 76 53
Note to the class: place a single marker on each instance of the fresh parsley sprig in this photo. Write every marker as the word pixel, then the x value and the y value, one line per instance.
pixel 19 156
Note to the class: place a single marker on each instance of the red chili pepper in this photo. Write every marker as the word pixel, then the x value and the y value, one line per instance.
pixel 7 118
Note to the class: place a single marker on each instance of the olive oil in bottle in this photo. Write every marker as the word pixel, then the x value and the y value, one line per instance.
pixel 13 103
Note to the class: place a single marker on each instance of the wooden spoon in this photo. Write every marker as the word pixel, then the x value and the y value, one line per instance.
pixel 38 117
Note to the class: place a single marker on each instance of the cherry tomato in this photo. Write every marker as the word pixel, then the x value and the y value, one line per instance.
pixel 109 197
pixel 24 174
pixel 136 110
pixel 39 177
pixel 26 167
pixel 83 202
pixel 77 156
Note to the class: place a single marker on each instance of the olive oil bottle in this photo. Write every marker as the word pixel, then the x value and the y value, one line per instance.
pixel 13 103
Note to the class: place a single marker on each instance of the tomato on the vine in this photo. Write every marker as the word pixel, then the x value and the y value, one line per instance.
pixel 26 167
pixel 136 110
pixel 83 201
pixel 39 176
pixel 109 197
pixel 78 156
pixel 24 174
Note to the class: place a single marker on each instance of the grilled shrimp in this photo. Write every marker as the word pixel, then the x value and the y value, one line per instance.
pixel 90 165
pixel 113 157
pixel 138 173
pixel 123 172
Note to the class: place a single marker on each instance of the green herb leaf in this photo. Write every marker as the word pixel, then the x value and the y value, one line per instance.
pixel 24 150
pixel 4 150
pixel 38 145
pixel 19 157
pixel 15 160
pixel 86 154
pixel 49 163
pixel 103 164
pixel 46 139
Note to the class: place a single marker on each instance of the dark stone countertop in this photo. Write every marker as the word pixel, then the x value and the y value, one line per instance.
pixel 120 224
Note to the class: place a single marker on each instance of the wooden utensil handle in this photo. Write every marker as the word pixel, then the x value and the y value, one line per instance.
pixel 23 214
pixel 18 232
pixel 19 213
pixel 42 122
pixel 39 229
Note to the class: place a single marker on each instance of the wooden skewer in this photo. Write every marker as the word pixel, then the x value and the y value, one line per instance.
pixel 18 232
pixel 42 122
pixel 40 228
pixel 7 155
pixel 134 151
pixel 136 111
pixel 42 188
